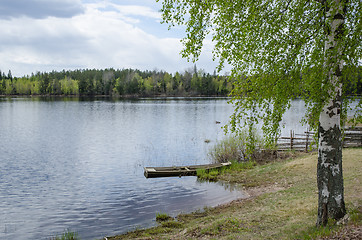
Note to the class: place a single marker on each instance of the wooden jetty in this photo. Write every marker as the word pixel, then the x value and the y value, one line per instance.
pixel 178 171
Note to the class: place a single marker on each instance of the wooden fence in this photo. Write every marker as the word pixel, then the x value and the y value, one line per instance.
pixel 352 137
pixel 305 142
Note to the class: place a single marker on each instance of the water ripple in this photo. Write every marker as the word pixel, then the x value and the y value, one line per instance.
pixel 79 165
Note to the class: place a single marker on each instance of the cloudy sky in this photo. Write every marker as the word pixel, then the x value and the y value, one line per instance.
pixel 46 35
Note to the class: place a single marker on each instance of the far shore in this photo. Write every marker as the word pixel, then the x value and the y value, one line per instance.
pixel 119 96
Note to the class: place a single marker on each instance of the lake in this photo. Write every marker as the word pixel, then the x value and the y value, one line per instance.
pixel 70 163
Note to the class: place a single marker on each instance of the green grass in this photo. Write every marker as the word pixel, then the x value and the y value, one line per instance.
pixel 355 215
pixel 161 217
pixel 68 235
pixel 224 226
pixel 209 175
pixel 313 232
pixel 355 218
pixel 213 174
pixel 282 204
pixel 172 224
pixel 239 166
pixel 237 150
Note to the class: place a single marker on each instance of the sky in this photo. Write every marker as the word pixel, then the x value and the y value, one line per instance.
pixel 47 35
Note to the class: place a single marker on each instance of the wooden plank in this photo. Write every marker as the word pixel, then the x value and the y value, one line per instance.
pixel 294 138
pixel 353 129
pixel 153 172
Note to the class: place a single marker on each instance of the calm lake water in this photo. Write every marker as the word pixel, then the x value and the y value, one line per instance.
pixel 78 164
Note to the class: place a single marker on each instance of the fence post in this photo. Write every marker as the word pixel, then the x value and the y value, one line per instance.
pixel 306 143
pixel 291 139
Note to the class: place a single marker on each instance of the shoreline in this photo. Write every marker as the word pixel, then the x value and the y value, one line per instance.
pixel 135 96
pixel 281 205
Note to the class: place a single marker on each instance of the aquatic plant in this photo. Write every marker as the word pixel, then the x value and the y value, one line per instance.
pixel 68 235
pixel 210 175
pixel 162 217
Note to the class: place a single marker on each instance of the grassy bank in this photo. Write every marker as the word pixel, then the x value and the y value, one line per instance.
pixel 281 204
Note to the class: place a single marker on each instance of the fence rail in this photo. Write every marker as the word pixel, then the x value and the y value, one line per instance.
pixel 352 137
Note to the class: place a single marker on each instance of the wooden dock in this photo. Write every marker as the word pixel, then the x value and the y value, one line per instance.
pixel 178 171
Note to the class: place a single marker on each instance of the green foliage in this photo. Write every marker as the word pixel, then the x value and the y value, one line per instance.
pixel 239 166
pixel 68 235
pixel 69 86
pixel 8 88
pixel 245 146
pixel 277 51
pixel 120 82
pixel 318 232
pixel 161 217
pixel 210 175
pixel 355 215
pixel 229 149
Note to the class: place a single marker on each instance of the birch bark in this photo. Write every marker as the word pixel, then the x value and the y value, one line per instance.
pixel 329 169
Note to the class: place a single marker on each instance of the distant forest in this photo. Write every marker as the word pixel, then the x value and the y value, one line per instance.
pixel 129 83
pixel 120 82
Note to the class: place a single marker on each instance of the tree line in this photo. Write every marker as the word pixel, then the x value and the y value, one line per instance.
pixel 128 82
pixel 116 82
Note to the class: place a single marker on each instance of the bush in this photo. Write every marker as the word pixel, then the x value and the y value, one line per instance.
pixel 229 149
pixel 243 148
pixel 248 145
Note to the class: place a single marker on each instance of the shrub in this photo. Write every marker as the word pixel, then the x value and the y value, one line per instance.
pixel 248 145
pixel 68 235
pixel 229 149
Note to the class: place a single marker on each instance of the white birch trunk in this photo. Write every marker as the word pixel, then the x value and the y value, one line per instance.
pixel 329 169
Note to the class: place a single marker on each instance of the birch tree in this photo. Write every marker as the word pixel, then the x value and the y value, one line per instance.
pixel 279 50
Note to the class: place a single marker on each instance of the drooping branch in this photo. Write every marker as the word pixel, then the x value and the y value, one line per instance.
pixel 286 7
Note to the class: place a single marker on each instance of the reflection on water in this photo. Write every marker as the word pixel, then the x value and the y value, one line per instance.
pixel 78 163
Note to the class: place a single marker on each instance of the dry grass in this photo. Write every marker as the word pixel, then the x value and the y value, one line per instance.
pixel 282 204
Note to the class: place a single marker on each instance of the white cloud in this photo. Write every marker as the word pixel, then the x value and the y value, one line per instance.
pixel 137 11
pixel 115 41
pixel 97 38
